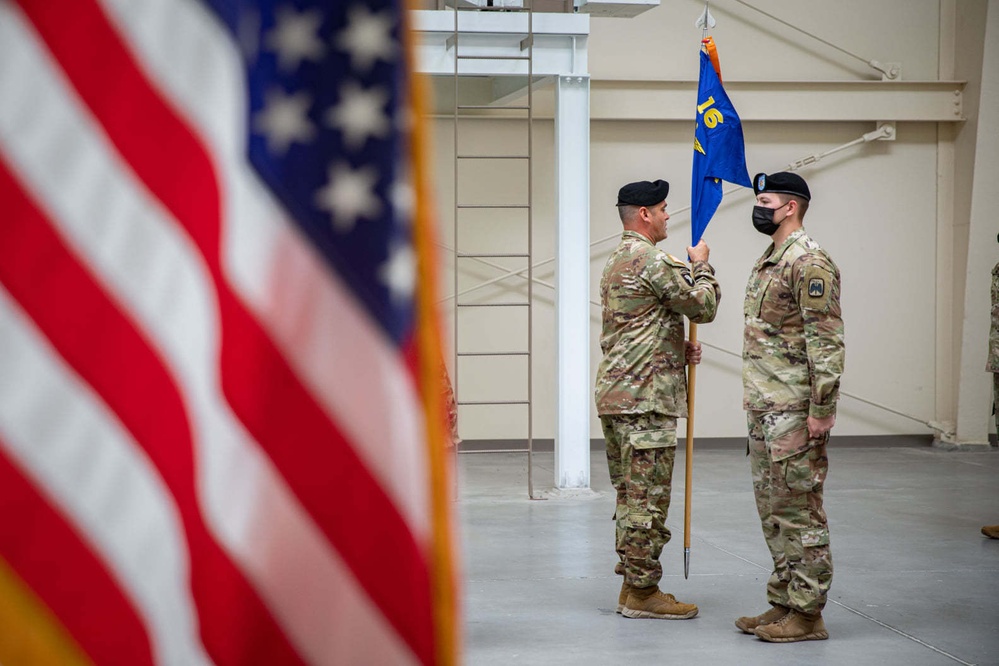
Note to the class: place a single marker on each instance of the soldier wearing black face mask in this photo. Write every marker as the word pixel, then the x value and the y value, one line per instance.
pixel 792 361
pixel 763 219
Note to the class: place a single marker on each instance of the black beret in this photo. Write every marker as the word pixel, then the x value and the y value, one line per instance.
pixel 782 182
pixel 643 193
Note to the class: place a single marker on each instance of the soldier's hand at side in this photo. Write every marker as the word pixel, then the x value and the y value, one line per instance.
pixel 818 427
pixel 699 252
pixel 693 352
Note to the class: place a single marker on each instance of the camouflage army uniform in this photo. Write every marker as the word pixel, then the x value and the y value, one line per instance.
pixel 993 363
pixel 641 388
pixel 793 355
pixel 450 406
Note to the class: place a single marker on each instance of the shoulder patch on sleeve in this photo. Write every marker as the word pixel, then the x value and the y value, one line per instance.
pixel 817 286
pixel 679 267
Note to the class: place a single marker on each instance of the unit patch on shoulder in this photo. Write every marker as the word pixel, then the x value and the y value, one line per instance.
pixel 687 278
pixel 816 287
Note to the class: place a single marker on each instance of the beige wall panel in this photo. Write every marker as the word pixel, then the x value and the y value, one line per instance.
pixel 498 231
pixel 875 208
pixel 662 43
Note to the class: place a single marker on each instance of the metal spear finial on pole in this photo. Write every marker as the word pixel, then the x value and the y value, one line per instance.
pixel 705 22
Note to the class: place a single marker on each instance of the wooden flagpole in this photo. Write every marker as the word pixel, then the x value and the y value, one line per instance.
pixel 689 458
pixel 705 22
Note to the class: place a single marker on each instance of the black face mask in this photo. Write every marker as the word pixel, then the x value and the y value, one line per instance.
pixel 763 219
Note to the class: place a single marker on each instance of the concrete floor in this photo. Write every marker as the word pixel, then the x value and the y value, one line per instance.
pixel 915 581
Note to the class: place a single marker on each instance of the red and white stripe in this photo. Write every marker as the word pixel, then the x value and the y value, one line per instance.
pixel 187 388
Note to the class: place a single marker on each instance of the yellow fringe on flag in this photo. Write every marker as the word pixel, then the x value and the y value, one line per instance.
pixel 708 44
pixel 30 634
pixel 444 567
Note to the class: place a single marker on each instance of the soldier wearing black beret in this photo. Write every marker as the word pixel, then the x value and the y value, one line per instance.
pixel 783 182
pixel 793 353
pixel 641 386
pixel 643 193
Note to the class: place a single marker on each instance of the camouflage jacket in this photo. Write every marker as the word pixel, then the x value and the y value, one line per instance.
pixel 645 294
pixel 450 405
pixel 993 364
pixel 793 349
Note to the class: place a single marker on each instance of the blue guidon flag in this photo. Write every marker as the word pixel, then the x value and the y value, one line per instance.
pixel 719 148
pixel 221 426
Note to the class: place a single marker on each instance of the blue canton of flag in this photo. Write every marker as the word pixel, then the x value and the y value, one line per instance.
pixel 327 83
pixel 719 149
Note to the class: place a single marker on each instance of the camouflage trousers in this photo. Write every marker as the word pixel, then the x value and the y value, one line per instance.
pixel 995 400
pixel 640 453
pixel 789 470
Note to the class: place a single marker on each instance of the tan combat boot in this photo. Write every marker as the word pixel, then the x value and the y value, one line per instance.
pixel 794 627
pixel 649 602
pixel 749 624
pixel 991 531
pixel 622 597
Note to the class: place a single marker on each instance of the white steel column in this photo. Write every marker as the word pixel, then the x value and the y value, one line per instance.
pixel 974 388
pixel 572 274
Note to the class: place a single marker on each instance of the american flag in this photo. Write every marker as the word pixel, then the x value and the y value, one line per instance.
pixel 220 422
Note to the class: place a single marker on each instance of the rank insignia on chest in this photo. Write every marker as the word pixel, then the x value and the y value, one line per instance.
pixel 816 287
